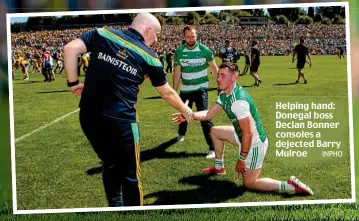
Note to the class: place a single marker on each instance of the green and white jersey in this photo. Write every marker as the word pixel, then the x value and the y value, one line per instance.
pixel 238 105
pixel 194 64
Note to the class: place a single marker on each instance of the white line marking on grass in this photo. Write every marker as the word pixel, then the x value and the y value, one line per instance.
pixel 46 125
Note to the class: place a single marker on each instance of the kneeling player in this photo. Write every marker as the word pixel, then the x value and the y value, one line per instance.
pixel 247 132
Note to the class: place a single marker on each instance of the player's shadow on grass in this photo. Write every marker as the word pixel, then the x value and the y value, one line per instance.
pixel 153 98
pixel 284 84
pixel 49 92
pixel 253 85
pixel 95 170
pixel 285 195
pixel 207 191
pixel 212 89
pixel 30 82
pixel 158 152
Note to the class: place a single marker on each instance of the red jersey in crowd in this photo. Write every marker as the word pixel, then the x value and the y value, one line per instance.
pixel 46 56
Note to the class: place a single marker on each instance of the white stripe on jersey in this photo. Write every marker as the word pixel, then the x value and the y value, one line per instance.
pixel 190 76
pixel 193 87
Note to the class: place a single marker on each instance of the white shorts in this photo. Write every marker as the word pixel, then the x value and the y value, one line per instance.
pixel 59 63
pixel 256 153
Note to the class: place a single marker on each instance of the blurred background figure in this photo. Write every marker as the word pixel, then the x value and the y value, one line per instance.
pixel 15 6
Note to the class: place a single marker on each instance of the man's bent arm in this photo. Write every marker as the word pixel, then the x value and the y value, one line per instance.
pixel 172 98
pixel 176 77
pixel 71 50
pixel 247 135
pixel 207 115
pixel 294 53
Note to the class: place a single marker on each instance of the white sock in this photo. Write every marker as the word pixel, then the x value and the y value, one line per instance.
pixel 283 186
pixel 219 164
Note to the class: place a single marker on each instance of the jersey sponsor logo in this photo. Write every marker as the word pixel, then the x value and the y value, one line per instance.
pixel 122 54
pixel 193 63
pixel 124 66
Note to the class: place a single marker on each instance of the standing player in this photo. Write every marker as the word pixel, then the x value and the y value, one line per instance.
pixel 340 52
pixel 255 62
pixel 79 63
pixel 169 60
pixel 247 63
pixel 62 57
pixel 35 62
pixel 23 64
pixel 191 62
pixel 58 60
pixel 228 53
pixel 85 62
pixel 119 62
pixel 13 64
pixel 29 58
pixel 47 66
pixel 301 51
pixel 162 56
pixel 247 133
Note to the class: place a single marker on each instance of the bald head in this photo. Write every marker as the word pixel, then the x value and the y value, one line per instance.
pixel 148 26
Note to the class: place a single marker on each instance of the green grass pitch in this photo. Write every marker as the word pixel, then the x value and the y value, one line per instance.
pixel 56 167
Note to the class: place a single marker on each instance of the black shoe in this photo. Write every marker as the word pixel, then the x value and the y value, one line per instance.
pixel 259 83
pixel 305 82
pixel 297 82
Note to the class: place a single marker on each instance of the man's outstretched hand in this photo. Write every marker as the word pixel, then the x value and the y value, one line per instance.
pixel 186 115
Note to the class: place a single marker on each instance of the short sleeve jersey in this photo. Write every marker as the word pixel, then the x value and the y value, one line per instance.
pixel 119 62
pixel 239 105
pixel 301 51
pixel 255 52
pixel 46 56
pixel 229 55
pixel 194 64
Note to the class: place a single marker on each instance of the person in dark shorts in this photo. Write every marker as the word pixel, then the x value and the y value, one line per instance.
pixel 255 62
pixel 340 52
pixel 120 62
pixel 301 51
pixel 169 60
pixel 247 63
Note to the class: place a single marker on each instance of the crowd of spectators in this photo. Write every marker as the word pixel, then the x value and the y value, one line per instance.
pixel 273 39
